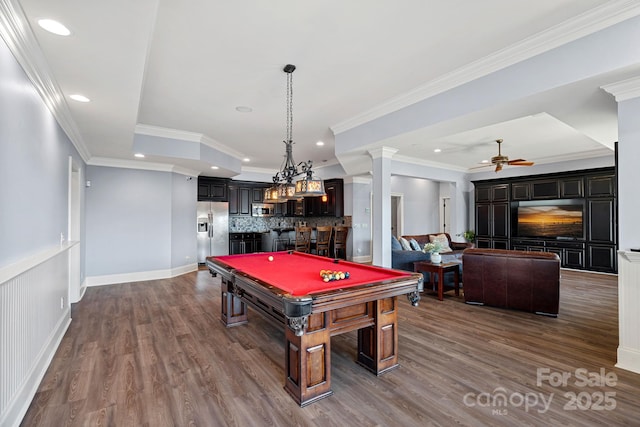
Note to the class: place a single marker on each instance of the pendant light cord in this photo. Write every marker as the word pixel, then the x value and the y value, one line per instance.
pixel 290 106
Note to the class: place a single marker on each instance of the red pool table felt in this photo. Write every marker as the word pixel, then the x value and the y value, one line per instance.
pixel 298 273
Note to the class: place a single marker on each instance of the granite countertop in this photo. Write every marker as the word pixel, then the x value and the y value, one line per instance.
pixel 281 229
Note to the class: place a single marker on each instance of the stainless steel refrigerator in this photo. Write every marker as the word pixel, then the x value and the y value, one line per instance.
pixel 212 229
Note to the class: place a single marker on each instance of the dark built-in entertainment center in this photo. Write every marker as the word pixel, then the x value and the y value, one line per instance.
pixel 573 214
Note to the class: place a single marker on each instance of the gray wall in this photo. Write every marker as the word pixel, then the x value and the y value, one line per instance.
pixel 421 198
pixel 34 163
pixel 628 155
pixel 183 220
pixel 130 217
pixel 357 204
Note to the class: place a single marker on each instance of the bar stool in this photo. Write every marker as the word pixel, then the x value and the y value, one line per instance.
pixel 340 241
pixel 323 240
pixel 280 244
pixel 303 239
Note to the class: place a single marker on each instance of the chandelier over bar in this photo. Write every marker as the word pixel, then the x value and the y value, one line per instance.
pixel 283 188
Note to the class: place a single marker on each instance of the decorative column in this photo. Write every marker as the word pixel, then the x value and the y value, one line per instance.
pixel 627 94
pixel 382 205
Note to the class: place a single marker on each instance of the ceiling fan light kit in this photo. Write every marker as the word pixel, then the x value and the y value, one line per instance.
pixel 499 161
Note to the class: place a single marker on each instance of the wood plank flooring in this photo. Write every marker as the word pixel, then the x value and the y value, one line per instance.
pixel 155 354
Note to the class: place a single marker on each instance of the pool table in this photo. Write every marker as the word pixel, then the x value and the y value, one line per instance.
pixel 286 288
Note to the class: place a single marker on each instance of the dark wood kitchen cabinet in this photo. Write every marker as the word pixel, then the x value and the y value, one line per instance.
pixel 242 194
pixel 240 199
pixel 330 205
pixel 245 243
pixel 333 205
pixel 212 189
pixel 257 194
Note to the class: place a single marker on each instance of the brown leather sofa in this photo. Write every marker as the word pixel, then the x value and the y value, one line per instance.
pixel 518 280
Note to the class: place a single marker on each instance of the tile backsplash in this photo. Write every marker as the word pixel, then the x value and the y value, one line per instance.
pixel 250 224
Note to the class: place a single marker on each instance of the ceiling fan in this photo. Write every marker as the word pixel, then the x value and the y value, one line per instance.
pixel 501 160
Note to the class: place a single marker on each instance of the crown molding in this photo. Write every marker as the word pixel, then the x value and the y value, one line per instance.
pixel 382 152
pixel 596 19
pixel 591 154
pixel 429 163
pixel 266 171
pixel 183 135
pixel 140 165
pixel 358 180
pixel 601 152
pixel 15 30
pixel 162 132
pixel 253 169
pixel 625 89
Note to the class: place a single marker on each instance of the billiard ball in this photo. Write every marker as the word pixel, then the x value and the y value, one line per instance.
pixel 270 258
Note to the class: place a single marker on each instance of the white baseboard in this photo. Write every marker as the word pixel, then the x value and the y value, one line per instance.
pixel 21 401
pixel 362 259
pixel 83 289
pixel 628 359
pixel 112 279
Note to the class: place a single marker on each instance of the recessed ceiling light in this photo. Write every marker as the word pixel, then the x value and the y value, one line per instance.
pixel 485 161
pixel 244 109
pixel 79 98
pixel 437 150
pixel 246 159
pixel 319 143
pixel 215 167
pixel 54 27
pixel 139 155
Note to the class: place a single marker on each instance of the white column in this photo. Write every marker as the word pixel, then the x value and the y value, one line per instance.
pixel 381 225
pixel 627 95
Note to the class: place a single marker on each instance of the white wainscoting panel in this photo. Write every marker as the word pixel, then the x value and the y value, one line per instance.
pixel 628 312
pixel 34 315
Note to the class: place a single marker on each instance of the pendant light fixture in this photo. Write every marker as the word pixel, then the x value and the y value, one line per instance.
pixel 283 188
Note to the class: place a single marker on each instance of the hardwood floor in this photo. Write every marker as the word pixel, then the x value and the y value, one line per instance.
pixel 155 354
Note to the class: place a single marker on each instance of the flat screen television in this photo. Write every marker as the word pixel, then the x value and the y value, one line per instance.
pixel 556 219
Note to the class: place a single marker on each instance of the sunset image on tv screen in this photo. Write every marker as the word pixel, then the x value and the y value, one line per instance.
pixel 550 221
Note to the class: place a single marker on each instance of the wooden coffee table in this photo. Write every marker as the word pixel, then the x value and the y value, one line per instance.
pixel 439 270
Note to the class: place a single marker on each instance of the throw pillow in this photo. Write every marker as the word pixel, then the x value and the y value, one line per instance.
pixel 415 245
pixel 405 244
pixel 444 242
pixel 395 245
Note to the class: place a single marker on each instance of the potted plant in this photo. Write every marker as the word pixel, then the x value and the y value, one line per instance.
pixel 468 235
pixel 434 249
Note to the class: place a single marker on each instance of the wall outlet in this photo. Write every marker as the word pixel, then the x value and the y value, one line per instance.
pixel 62 303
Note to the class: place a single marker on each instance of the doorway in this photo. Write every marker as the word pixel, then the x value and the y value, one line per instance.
pixel 73 232
pixel 445 214
pixel 397 217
